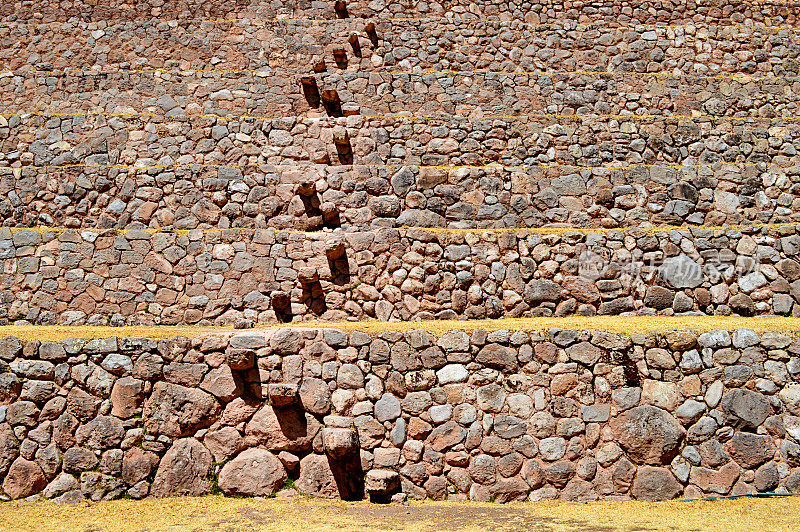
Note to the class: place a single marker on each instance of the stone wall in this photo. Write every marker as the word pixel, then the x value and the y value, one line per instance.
pixel 504 415
pixel 360 197
pixel 386 92
pixel 187 172
pixel 428 44
pixel 773 12
pixel 531 140
pixel 227 277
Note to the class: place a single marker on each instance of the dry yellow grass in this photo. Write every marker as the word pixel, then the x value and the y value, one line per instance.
pixel 234 514
pixel 615 324
pixel 559 230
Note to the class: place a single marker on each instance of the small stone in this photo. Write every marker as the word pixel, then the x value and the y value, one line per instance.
pixel 452 373
pixel 60 485
pixel 682 272
pixel 315 396
pixel 744 338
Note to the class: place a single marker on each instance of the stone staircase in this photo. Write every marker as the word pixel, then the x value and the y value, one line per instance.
pixel 232 164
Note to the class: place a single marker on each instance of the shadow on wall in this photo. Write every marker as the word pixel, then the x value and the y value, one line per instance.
pixel 348 475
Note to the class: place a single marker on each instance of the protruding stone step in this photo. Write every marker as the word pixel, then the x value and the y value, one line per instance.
pixel 340 442
pixel 282 394
pixel 381 483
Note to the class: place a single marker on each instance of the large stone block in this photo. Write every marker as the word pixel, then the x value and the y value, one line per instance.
pixel 175 410
pixel 185 469
pixel 254 472
pixel 649 434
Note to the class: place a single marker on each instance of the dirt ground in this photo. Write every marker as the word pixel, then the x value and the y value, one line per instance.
pixel 297 513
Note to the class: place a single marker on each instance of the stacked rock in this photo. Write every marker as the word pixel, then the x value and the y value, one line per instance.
pixel 501 415
pixel 178 162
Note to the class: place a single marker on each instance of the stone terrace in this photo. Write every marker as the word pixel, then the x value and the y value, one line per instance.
pixel 235 164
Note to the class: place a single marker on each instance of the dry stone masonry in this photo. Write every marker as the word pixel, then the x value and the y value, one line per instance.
pixel 774 12
pixel 236 163
pixel 502 415
pixel 264 276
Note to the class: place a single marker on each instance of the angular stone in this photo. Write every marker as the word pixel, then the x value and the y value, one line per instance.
pixel 82 404
pixel 126 397
pixel 370 432
pixel 99 487
pixel 350 376
pixel 282 393
pixel 649 434
pixel 24 478
pixel 339 442
pixel 499 357
pixel 446 436
pixel 77 459
pixel 716 481
pixel 185 469
pixel 319 479
pixel 239 359
pixel 223 443
pixel 9 448
pixel 286 341
pixel 540 290
pixel 222 383
pixel 661 394
pixel 745 409
pixel 655 484
pixel 483 469
pixel 10 386
pixel 175 410
pixel 282 429
pixel 254 472
pixel 381 482
pixel 750 450
pixel 454 341
pixel 790 396
pixel 60 485
pixel 581 289
pixel 584 353
pixel 103 432
pixel 315 396
pixel 595 413
pixel 744 338
pixel 137 464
